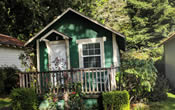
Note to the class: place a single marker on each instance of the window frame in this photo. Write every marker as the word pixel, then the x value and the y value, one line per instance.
pixel 90 41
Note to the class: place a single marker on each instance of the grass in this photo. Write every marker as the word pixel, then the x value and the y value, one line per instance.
pixel 4 102
pixel 168 104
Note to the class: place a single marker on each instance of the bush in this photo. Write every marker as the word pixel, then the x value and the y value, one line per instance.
pixel 8 79
pixel 160 89
pixel 138 75
pixel 116 100
pixel 24 99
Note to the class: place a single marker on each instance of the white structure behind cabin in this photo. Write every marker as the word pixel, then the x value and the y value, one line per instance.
pixel 10 50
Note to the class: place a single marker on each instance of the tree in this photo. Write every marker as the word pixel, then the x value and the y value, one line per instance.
pixel 24 18
pixel 152 20
pixel 109 12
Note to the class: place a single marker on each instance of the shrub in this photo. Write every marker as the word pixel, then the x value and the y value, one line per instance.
pixel 138 75
pixel 24 99
pixel 8 79
pixel 75 101
pixel 160 89
pixel 116 100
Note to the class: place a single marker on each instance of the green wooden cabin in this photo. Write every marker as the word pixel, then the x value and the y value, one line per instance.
pixel 74 43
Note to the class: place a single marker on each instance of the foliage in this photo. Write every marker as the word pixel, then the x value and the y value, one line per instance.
pixel 28 60
pixel 110 13
pixel 52 101
pixel 24 18
pixel 116 100
pixel 8 79
pixel 76 98
pixel 167 104
pixel 138 74
pixel 24 99
pixel 151 21
pixel 160 89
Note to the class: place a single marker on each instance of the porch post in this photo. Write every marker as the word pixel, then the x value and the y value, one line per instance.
pixel 113 81
pixel 38 55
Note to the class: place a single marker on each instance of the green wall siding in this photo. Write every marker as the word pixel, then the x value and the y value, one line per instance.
pixel 43 57
pixel 77 28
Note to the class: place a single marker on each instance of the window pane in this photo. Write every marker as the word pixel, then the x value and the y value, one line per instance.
pixel 85 52
pixel 97 45
pixel 85 46
pixel 97 51
pixel 91 52
pixel 92 61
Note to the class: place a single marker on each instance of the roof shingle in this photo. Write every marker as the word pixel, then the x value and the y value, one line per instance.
pixel 11 41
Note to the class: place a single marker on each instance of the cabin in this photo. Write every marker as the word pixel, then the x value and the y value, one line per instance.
pixel 169 54
pixel 10 50
pixel 77 48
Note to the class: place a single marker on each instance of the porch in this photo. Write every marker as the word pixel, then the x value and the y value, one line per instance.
pixel 93 80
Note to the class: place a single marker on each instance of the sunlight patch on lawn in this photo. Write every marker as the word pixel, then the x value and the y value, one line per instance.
pixel 4 102
pixel 168 104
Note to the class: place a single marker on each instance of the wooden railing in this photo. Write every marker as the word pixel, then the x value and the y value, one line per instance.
pixel 93 81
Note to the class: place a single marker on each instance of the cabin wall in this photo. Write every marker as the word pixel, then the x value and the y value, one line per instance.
pixel 10 57
pixel 169 51
pixel 77 28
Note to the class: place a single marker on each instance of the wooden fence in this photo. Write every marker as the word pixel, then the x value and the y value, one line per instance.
pixel 95 80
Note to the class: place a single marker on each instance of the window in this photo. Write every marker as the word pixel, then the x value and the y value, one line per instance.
pixel 91 55
pixel 91 52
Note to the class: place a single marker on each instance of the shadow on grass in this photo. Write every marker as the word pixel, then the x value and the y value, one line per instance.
pixel 168 104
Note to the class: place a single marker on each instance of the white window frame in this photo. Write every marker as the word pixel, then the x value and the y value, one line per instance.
pixel 89 41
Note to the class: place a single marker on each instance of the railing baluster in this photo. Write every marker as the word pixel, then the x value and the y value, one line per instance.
pixel 108 74
pixel 89 74
pixel 93 82
pixel 27 81
pixel 85 81
pixel 20 80
pixel 43 86
pixel 57 82
pixel 96 80
pixel 53 82
pixel 100 81
pixel 36 83
pixel 23 80
pixel 104 80
pixel 82 80
pixel 77 76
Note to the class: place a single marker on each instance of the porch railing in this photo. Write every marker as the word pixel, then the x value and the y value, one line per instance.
pixel 95 80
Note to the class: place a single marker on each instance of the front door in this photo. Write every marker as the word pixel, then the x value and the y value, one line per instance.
pixel 57 55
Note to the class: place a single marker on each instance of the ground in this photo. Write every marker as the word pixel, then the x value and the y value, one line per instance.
pixel 4 103
pixel 168 104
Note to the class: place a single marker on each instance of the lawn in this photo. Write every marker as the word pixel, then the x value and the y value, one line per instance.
pixel 168 104
pixel 4 102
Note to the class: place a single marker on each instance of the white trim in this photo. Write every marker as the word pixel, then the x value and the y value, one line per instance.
pixel 53 31
pixel 69 9
pixel 38 55
pixel 91 40
pixel 87 41
pixel 116 55
pixel 67 53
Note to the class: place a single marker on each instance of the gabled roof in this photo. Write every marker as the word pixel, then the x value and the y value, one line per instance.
pixel 172 36
pixel 56 32
pixel 69 9
pixel 10 41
